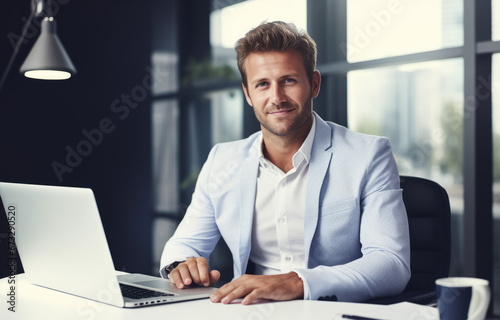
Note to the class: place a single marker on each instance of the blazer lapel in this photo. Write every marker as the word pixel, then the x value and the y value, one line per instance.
pixel 318 166
pixel 248 188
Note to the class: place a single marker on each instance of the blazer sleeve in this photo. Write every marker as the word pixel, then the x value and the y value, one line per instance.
pixel 384 266
pixel 197 234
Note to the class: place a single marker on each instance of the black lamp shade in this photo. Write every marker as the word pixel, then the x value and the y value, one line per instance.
pixel 47 59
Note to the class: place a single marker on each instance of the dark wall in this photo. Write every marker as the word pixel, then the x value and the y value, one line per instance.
pixel 41 121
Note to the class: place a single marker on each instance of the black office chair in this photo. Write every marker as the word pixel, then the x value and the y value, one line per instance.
pixel 429 217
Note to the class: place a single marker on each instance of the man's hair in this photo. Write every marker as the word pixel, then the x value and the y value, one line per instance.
pixel 276 36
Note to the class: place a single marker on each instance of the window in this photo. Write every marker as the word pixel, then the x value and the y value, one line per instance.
pixel 165 114
pixel 165 131
pixel 419 108
pixel 384 28
pixel 211 118
pixel 227 115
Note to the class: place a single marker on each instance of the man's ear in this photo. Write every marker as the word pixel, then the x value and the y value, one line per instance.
pixel 249 101
pixel 316 84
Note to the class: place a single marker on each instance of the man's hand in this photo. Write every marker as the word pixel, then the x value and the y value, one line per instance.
pixel 251 287
pixel 193 270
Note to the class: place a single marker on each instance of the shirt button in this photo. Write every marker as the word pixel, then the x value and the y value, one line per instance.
pixel 282 220
pixel 288 258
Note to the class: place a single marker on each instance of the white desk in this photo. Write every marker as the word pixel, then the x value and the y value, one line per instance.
pixel 33 302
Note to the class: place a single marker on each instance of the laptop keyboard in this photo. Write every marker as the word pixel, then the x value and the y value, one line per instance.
pixel 140 293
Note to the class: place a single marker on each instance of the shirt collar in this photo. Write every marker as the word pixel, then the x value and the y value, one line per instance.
pixel 305 149
pixel 304 152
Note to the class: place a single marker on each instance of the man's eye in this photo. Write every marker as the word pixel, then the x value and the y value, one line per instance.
pixel 262 84
pixel 289 80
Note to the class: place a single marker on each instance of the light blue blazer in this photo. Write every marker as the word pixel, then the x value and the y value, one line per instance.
pixel 356 237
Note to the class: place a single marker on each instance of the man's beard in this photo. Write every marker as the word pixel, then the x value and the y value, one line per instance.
pixel 299 120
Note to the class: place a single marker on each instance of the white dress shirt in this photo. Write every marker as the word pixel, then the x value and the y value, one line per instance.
pixel 278 223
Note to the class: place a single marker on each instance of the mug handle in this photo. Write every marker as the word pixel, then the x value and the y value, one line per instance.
pixel 480 301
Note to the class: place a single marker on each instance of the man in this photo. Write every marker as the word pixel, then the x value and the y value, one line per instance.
pixel 315 208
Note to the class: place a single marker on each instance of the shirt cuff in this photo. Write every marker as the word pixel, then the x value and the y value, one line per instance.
pixel 306 286
pixel 163 273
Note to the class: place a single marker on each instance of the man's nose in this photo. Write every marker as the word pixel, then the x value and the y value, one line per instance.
pixel 277 95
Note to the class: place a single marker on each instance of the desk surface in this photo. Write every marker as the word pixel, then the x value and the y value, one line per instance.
pixel 33 302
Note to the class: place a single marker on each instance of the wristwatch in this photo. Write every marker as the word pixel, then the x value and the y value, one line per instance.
pixel 171 267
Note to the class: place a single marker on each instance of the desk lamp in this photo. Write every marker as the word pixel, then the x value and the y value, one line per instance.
pixel 47 59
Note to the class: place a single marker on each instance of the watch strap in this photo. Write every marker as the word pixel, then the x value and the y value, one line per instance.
pixel 171 267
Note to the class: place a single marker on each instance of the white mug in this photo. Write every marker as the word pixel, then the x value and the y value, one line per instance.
pixel 462 298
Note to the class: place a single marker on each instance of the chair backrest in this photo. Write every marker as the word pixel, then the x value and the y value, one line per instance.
pixel 429 219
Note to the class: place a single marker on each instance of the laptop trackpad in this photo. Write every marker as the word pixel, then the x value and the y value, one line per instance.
pixel 156 284
pixel 144 280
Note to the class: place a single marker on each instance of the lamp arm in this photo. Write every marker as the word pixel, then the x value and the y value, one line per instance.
pixel 34 10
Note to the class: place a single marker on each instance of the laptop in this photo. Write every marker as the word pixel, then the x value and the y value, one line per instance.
pixel 62 246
